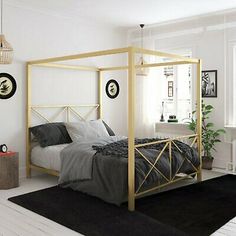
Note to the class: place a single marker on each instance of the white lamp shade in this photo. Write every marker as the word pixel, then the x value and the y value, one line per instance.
pixel 142 71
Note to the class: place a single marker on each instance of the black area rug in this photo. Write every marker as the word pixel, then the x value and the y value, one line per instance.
pixel 91 216
pixel 198 209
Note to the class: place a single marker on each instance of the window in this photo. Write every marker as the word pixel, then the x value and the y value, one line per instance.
pixel 176 91
pixel 230 118
pixel 234 84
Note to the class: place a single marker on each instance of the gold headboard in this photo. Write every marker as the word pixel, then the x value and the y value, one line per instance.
pixel 66 110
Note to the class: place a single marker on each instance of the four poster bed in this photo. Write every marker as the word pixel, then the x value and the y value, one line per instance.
pixel 149 163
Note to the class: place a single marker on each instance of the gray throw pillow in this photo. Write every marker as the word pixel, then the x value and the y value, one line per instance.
pixel 86 130
pixel 108 128
pixel 51 134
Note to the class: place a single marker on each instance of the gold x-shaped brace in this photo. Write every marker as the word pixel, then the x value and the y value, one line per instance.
pixel 153 166
pixel 184 158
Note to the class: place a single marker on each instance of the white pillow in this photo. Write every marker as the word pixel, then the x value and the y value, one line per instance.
pixel 86 130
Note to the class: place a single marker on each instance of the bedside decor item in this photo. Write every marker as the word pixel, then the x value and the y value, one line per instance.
pixel 172 119
pixel 210 136
pixel 162 112
pixel 7 86
pixel 9 170
pixel 142 71
pixel 112 88
pixel 3 148
pixel 209 83
pixel 6 51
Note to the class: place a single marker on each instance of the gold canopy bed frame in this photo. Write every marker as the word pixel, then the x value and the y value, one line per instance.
pixel 131 52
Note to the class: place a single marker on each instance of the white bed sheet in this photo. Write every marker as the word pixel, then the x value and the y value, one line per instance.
pixel 48 157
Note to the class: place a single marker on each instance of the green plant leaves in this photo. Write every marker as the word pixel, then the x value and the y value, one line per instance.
pixel 209 135
pixel 208 125
pixel 209 107
pixel 221 131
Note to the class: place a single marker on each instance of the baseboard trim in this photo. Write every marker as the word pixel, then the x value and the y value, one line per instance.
pixel 22 173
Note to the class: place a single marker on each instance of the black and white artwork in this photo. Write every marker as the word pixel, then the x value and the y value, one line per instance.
pixel 209 83
pixel 112 88
pixel 7 86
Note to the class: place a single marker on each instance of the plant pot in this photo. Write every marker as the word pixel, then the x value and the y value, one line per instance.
pixel 207 163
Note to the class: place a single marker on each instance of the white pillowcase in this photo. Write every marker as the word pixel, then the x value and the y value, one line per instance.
pixel 86 130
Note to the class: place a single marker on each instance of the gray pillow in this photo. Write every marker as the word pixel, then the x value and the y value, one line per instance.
pixel 108 128
pixel 86 130
pixel 51 134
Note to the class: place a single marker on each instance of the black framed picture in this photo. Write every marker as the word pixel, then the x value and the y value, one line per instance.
pixel 209 83
pixel 170 88
pixel 7 86
pixel 112 88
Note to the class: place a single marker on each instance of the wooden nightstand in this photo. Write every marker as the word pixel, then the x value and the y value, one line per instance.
pixel 9 170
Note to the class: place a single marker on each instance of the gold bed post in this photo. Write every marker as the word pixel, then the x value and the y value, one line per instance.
pixel 28 120
pixel 131 120
pixel 100 78
pixel 199 117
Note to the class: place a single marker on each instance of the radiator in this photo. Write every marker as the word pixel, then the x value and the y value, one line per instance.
pixel 234 154
pixel 231 166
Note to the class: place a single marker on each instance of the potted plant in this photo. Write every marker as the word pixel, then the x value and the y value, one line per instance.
pixel 210 136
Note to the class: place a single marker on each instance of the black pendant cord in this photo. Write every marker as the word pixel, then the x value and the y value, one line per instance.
pixel 141 26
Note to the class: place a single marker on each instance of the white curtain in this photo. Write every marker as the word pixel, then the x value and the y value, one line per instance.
pixel 146 104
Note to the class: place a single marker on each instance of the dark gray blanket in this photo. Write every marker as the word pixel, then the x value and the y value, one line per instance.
pixel 180 152
pixel 120 148
pixel 109 169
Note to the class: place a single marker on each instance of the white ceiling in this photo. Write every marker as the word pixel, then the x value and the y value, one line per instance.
pixel 126 13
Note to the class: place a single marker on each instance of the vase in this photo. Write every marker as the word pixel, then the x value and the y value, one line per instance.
pixel 207 163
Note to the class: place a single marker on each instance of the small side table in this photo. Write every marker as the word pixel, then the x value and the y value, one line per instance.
pixel 9 170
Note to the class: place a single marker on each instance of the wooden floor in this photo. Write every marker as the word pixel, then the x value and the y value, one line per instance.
pixel 228 229
pixel 15 220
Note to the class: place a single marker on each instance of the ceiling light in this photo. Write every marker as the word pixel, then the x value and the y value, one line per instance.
pixel 142 71
pixel 6 51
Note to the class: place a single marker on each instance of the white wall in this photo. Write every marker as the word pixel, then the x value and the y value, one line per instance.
pixel 209 38
pixel 35 35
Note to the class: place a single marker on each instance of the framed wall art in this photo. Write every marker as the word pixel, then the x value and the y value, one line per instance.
pixel 7 86
pixel 209 83
pixel 112 88
pixel 170 88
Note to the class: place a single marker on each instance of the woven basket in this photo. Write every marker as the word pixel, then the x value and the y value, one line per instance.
pixel 6 51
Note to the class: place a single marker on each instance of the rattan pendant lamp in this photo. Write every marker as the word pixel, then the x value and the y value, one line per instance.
pixel 6 51
pixel 142 71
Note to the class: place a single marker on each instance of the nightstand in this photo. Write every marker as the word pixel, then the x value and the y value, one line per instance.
pixel 9 170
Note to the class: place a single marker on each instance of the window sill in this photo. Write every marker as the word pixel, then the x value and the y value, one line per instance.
pixel 230 126
pixel 171 123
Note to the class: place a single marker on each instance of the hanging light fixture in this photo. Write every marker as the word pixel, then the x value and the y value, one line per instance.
pixel 142 71
pixel 6 51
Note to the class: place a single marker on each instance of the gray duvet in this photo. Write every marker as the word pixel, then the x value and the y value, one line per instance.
pixel 99 167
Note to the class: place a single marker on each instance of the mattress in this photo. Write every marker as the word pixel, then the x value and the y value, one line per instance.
pixel 48 157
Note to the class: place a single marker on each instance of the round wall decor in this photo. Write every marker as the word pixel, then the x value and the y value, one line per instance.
pixel 112 88
pixel 7 86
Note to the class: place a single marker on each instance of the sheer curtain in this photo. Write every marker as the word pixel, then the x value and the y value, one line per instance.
pixel 146 103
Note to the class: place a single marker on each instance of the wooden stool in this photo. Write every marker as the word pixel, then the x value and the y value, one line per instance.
pixel 9 170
